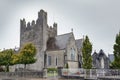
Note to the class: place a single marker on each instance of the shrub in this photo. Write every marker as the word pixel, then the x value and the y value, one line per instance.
pixel 67 66
pixel 52 69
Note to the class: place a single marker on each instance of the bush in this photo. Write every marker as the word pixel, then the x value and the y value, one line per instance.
pixel 52 69
pixel 66 65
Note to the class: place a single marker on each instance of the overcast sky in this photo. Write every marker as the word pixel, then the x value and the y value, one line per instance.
pixel 99 19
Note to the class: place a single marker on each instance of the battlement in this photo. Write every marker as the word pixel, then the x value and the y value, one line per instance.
pixel 52 30
pixel 28 26
pixel 42 19
pixel 42 13
pixel 37 29
pixel 54 27
pixel 40 22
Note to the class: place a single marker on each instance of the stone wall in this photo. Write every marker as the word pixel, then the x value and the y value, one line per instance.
pixel 73 65
pixel 17 75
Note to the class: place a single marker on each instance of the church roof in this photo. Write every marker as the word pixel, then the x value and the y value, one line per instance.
pixel 62 40
pixel 111 57
pixel 101 53
pixel 79 43
pixel 95 54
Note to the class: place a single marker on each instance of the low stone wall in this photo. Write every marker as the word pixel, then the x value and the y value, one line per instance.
pixel 22 74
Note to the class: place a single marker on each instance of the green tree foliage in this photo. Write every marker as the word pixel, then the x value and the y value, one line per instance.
pixel 66 65
pixel 116 62
pixel 6 58
pixel 15 58
pixel 27 54
pixel 86 51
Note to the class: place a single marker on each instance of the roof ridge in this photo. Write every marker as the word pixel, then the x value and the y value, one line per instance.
pixel 64 34
pixel 78 39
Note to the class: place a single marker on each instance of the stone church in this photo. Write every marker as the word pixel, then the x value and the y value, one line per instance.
pixel 53 50
pixel 100 60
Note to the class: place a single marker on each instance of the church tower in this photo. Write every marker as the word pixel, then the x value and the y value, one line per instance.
pixel 38 33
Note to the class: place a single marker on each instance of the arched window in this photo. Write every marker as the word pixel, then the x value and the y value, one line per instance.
pixel 102 63
pixel 49 60
pixel 72 54
pixel 56 61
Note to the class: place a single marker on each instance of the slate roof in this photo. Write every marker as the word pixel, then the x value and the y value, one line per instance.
pixel 95 54
pixel 79 43
pixel 111 57
pixel 62 40
pixel 101 53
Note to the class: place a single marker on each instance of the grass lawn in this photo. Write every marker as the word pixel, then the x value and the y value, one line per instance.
pixel 50 74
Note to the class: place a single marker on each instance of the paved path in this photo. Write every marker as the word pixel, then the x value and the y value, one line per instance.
pixel 33 79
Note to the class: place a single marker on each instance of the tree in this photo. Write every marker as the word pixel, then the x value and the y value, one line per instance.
pixel 6 58
pixel 116 47
pixel 86 51
pixel 66 65
pixel 15 59
pixel 27 54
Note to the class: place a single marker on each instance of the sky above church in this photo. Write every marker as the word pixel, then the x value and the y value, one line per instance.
pixel 99 19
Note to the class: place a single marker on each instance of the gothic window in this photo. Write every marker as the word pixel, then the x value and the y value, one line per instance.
pixel 72 54
pixel 102 63
pixel 49 60
pixel 56 61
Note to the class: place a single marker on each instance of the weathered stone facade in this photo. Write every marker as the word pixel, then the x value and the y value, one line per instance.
pixel 100 60
pixel 67 49
pixel 48 43
pixel 57 58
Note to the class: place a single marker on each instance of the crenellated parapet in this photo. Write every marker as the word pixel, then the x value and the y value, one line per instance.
pixel 42 17
pixel 55 28
pixel 52 30
pixel 38 30
pixel 41 21
pixel 26 26
pixel 22 25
